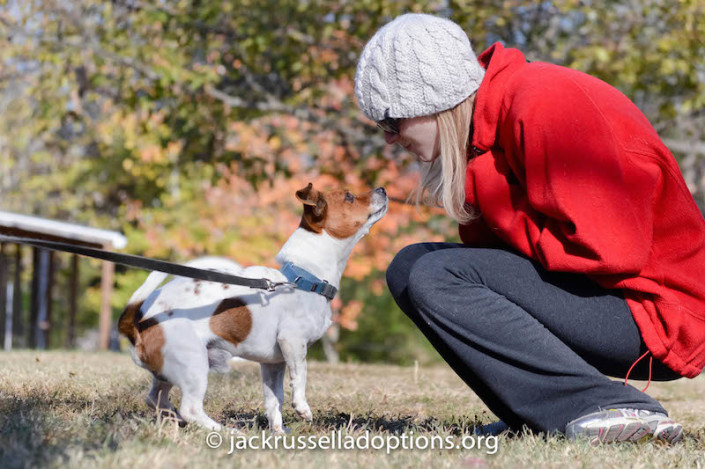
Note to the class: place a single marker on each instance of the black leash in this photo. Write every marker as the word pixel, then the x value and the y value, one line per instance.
pixel 148 264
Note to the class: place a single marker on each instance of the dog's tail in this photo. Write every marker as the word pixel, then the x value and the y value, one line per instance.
pixel 153 281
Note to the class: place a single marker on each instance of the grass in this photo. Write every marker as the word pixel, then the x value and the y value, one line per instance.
pixel 78 409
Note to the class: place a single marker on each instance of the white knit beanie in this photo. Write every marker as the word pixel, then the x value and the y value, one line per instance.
pixel 415 66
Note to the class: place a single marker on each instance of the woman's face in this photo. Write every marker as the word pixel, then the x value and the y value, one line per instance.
pixel 418 135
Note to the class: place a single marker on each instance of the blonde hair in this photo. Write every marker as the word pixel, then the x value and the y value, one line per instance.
pixel 443 180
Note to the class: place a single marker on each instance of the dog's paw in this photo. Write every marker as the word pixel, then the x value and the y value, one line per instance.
pixel 304 411
pixel 281 430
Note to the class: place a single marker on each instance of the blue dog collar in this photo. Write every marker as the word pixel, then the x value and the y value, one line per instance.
pixel 306 281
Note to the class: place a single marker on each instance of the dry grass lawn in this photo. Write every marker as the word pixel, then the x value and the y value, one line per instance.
pixel 72 409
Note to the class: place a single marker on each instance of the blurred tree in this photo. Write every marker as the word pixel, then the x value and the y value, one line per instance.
pixel 189 124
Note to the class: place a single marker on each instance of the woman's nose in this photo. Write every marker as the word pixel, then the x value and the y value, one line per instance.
pixel 390 138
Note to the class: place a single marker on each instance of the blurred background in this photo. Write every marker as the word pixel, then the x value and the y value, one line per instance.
pixel 187 126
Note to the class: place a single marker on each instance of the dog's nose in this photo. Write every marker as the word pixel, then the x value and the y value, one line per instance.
pixel 381 191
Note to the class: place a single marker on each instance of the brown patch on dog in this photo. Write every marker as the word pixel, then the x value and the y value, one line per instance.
pixel 338 212
pixel 314 209
pixel 225 286
pixel 149 345
pixel 344 217
pixel 126 323
pixel 309 223
pixel 231 320
pixel 146 336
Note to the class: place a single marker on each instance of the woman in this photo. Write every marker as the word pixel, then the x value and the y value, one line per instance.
pixel 583 250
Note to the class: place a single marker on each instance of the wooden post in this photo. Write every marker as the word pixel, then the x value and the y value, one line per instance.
pixel 47 298
pixel 106 312
pixel 17 310
pixel 42 274
pixel 34 301
pixel 73 302
pixel 3 294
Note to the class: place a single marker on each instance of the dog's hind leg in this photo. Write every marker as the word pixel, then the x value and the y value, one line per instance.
pixel 273 386
pixel 294 350
pixel 158 399
pixel 193 390
pixel 187 368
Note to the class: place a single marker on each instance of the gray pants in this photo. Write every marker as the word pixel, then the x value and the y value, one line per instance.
pixel 534 345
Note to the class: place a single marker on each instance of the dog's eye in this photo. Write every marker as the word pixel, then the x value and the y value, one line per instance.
pixel 349 197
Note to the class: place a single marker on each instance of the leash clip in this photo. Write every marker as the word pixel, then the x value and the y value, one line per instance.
pixel 271 286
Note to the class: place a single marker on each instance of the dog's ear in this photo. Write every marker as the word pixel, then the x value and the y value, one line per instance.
pixel 304 194
pixel 313 198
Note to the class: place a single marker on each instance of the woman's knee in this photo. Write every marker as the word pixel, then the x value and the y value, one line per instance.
pixel 439 275
pixel 463 266
pixel 401 266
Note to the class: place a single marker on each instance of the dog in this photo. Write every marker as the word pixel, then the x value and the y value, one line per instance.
pixel 187 327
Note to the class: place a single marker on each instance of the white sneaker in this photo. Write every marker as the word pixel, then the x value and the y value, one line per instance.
pixel 662 427
pixel 608 425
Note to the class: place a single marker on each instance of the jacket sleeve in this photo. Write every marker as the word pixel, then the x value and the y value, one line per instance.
pixel 588 207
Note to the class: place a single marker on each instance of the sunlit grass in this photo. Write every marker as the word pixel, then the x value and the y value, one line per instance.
pixel 87 410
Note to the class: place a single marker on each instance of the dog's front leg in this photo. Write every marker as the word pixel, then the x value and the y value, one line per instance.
pixel 294 350
pixel 273 387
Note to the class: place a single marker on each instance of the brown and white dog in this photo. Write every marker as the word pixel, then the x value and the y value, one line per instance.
pixel 187 327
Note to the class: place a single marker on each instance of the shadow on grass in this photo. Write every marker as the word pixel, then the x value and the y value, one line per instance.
pixel 394 425
pixel 335 420
pixel 37 431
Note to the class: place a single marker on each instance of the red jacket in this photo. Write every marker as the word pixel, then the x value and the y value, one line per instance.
pixel 570 173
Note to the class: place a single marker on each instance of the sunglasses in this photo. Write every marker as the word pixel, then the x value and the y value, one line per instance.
pixel 389 124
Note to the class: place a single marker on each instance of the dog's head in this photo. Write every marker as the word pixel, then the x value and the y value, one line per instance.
pixel 341 213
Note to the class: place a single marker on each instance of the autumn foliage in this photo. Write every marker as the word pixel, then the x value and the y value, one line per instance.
pixel 189 125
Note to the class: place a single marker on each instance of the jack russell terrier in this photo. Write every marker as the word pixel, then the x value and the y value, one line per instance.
pixel 187 327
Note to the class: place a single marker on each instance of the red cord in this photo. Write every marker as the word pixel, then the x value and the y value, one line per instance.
pixel 651 361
